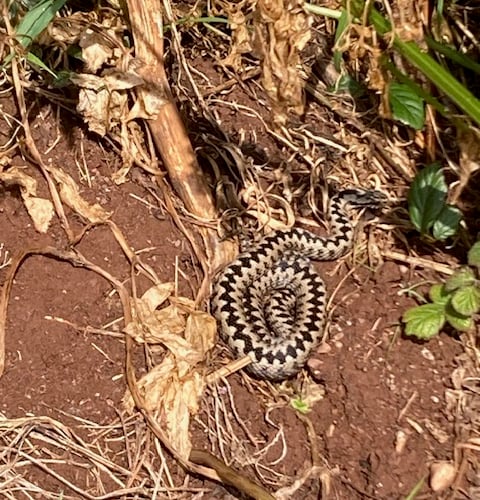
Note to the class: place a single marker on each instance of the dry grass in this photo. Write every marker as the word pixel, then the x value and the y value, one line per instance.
pixel 43 456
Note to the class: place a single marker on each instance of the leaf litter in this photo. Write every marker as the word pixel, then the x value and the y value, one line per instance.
pixel 172 327
pixel 172 388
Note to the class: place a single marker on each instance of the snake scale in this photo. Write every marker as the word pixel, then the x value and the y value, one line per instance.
pixel 270 303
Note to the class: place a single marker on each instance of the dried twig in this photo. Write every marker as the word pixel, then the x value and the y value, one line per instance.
pixel 168 130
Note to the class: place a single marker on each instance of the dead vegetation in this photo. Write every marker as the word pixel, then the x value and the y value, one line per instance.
pixel 129 97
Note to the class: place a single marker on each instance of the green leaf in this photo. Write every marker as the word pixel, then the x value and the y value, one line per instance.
pixel 474 255
pixel 300 405
pixel 348 84
pixel 439 7
pixel 34 22
pixel 453 54
pixel 458 321
pixel 466 300
pixel 426 198
pixel 407 106
pixel 439 294
pixel 37 19
pixel 447 223
pixel 416 88
pixel 415 491
pixel 461 278
pixel 424 322
pixel 441 78
pixel 35 61
pixel 62 79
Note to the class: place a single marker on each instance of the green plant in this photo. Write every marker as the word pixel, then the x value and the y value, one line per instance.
pixel 429 211
pixel 455 302
pixel 406 97
pixel 436 73
pixel 300 405
pixel 416 489
pixel 37 18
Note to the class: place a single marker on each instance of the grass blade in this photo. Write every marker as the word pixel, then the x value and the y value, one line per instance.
pixel 36 20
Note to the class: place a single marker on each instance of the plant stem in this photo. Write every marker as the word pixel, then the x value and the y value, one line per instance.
pixel 322 11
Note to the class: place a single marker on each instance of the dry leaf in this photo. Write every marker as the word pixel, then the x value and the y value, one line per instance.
pixel 102 101
pixel 201 331
pixel 185 333
pixel 172 399
pixel 157 327
pixel 469 160
pixel 40 210
pixel 156 295
pixel 172 389
pixel 241 43
pixel 70 196
pixel 69 29
pixel 282 29
pixel 95 51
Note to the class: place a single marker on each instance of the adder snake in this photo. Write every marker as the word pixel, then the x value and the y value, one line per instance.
pixel 270 303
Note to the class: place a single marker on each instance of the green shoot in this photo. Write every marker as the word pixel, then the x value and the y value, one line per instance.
pixel 300 405
pixel 416 489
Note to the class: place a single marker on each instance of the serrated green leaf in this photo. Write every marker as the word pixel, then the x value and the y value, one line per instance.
pixel 447 223
pixel 439 294
pixel 466 300
pixel 426 198
pixel 474 255
pixel 405 78
pixel 458 321
pixel 424 322
pixel 463 277
pixel 406 105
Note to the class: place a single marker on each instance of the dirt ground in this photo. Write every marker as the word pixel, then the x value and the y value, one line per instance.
pixel 380 424
pixel 381 416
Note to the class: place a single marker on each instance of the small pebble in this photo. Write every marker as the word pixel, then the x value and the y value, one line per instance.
pixel 442 475
pixel 400 441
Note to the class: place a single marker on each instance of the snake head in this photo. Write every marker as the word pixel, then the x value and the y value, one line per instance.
pixel 362 198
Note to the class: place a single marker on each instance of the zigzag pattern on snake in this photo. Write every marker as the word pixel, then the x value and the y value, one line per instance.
pixel 270 303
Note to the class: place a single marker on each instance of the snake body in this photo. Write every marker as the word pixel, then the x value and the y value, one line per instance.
pixel 270 303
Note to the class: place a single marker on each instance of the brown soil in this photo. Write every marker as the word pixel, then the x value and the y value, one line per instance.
pixel 379 387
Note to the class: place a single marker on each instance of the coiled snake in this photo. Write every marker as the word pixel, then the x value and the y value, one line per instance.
pixel 270 303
